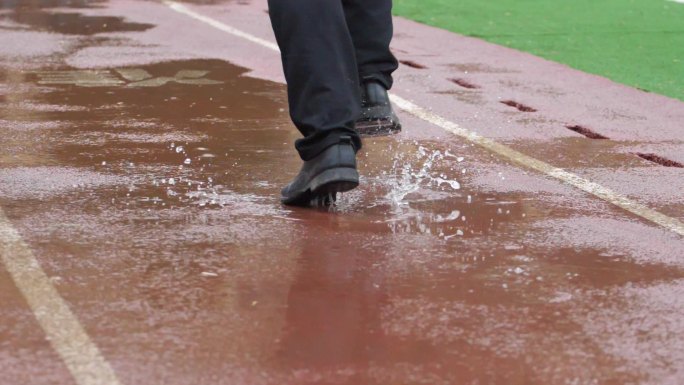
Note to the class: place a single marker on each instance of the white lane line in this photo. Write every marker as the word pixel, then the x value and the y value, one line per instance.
pixel 61 327
pixel 506 152
pixel 577 181
pixel 223 27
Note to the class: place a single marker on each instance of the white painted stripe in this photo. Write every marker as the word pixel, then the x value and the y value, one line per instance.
pixel 577 181
pixel 506 152
pixel 223 27
pixel 61 327
pixel 678 1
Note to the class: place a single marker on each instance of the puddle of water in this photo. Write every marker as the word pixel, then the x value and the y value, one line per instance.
pixel 166 219
pixel 18 5
pixel 69 23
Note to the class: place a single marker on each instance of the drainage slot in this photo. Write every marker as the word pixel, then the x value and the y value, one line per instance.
pixel 464 83
pixel 412 64
pixel 519 106
pixel 586 132
pixel 659 160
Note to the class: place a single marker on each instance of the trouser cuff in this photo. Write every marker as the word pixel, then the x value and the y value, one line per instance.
pixel 313 145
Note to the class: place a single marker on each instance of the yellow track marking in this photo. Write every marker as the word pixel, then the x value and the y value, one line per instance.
pixel 65 333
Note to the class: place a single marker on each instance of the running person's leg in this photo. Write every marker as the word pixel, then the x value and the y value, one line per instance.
pixel 371 28
pixel 323 91
pixel 370 25
pixel 320 70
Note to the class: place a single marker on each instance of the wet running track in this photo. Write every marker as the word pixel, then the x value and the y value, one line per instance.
pixel 142 156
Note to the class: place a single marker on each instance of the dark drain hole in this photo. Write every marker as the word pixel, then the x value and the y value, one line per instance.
pixel 659 160
pixel 519 106
pixel 586 132
pixel 412 64
pixel 464 83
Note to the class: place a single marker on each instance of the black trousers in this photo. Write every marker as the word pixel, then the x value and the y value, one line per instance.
pixel 328 47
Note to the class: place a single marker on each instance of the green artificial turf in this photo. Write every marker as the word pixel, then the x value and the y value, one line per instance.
pixel 635 42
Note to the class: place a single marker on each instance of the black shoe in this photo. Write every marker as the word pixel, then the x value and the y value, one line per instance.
pixel 377 116
pixel 321 178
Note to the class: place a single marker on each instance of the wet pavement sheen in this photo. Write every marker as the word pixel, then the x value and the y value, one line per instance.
pixel 149 195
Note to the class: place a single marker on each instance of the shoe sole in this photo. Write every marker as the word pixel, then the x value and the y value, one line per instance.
pixel 327 183
pixel 379 127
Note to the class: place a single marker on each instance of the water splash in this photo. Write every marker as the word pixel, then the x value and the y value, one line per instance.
pixel 414 185
pixel 405 178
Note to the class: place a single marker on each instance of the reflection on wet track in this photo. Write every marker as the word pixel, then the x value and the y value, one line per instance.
pixel 150 196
